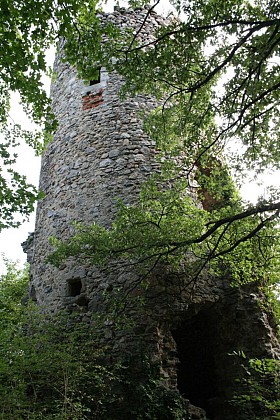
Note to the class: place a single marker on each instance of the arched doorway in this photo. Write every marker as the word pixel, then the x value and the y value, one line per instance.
pixel 199 368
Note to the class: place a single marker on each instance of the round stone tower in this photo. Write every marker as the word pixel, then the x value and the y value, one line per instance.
pixel 99 154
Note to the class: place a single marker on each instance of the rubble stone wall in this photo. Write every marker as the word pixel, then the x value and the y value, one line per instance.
pixel 100 153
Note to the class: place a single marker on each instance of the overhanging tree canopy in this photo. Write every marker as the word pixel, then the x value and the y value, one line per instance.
pixel 27 29
pixel 218 72
pixel 221 61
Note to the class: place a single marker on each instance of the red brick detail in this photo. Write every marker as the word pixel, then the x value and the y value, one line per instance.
pixel 92 100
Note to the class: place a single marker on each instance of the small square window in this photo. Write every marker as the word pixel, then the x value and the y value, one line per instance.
pixel 74 287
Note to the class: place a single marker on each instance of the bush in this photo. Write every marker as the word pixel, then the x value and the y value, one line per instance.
pixel 259 395
pixel 58 368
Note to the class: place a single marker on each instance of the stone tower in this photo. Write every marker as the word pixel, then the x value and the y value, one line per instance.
pixel 100 153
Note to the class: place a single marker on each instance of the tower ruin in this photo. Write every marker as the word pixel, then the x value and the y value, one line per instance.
pixel 101 153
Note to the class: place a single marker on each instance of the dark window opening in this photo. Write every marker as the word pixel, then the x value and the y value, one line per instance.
pixel 97 79
pixel 196 341
pixel 32 294
pixel 74 287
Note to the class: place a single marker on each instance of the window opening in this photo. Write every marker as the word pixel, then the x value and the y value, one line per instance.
pixel 74 287
pixel 97 79
pixel 32 294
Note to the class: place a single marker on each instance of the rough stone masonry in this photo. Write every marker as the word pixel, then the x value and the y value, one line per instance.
pixel 100 153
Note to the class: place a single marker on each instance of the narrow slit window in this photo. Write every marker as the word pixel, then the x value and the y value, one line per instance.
pixel 74 287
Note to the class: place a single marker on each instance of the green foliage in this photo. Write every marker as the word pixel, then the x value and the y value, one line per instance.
pixel 17 197
pixel 259 395
pixel 27 29
pixel 169 227
pixel 271 303
pixel 49 368
pixel 60 368
pixel 200 115
pixel 144 397
pixel 216 76
pixel 219 63
pixel 13 286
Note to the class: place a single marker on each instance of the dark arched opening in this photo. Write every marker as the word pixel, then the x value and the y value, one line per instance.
pixel 197 342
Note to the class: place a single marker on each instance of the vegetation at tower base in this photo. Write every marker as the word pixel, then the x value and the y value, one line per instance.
pixel 56 368
pixel 260 388
pixel 53 369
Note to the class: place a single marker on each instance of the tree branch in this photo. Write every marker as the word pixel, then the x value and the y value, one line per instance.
pixel 229 219
pixel 247 237
pixel 141 26
pixel 260 24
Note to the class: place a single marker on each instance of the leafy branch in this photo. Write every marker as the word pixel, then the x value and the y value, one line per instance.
pixel 145 238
